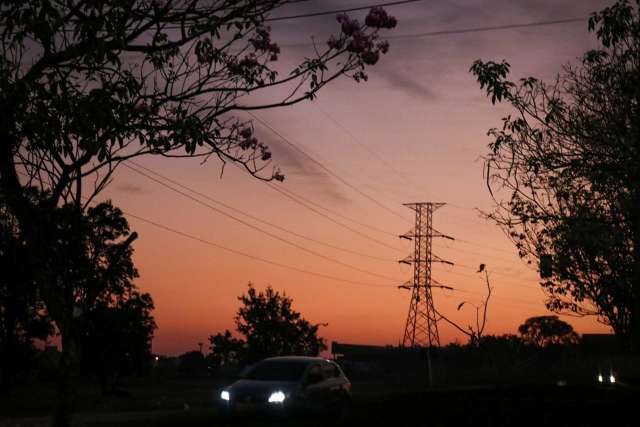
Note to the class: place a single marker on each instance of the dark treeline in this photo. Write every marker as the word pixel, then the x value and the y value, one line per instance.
pixel 109 316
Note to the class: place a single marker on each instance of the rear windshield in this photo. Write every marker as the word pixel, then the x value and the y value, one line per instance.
pixel 276 370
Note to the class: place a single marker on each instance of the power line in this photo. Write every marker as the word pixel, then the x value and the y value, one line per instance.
pixel 326 169
pixel 390 167
pixel 505 300
pixel 458 273
pixel 281 265
pixel 308 204
pixel 480 245
pixel 246 255
pixel 497 273
pixel 322 13
pixel 386 164
pixel 354 138
pixel 338 214
pixel 336 11
pixel 302 15
pixel 464 30
pixel 439 285
pixel 502 259
pixel 364 146
pixel 502 301
pixel 476 293
pixel 488 28
pixel 286 266
pixel 268 261
pixel 247 224
pixel 255 218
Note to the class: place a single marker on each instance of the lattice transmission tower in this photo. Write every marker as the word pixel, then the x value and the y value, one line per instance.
pixel 421 329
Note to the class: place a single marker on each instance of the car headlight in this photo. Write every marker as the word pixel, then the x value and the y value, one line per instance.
pixel 277 397
pixel 600 379
pixel 612 379
pixel 224 395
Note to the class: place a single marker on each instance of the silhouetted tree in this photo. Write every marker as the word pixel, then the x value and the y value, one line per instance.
pixel 117 334
pixel 192 364
pixel 565 173
pixel 543 331
pixel 270 327
pixel 23 316
pixel 501 343
pixel 225 350
pixel 89 266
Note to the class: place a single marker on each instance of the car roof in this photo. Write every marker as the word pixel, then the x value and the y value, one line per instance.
pixel 308 359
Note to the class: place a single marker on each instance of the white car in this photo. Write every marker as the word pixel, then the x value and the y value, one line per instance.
pixel 288 384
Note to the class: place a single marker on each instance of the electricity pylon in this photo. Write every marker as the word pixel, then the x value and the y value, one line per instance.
pixel 421 329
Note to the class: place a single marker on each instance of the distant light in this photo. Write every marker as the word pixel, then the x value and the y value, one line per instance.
pixel 157 358
pixel 224 395
pixel 277 397
pixel 600 379
pixel 612 379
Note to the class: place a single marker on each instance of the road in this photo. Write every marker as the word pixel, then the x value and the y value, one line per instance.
pixel 485 406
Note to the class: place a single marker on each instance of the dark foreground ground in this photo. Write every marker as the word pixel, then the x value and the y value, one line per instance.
pixel 186 403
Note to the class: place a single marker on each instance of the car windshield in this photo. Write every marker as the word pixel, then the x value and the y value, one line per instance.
pixel 276 370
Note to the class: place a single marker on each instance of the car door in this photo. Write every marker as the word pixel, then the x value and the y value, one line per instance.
pixel 315 391
pixel 333 383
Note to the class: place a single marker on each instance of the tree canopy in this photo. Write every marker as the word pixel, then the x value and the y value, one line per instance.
pixel 543 331
pixel 90 295
pixel 85 85
pixel 117 335
pixel 226 350
pixel 565 173
pixel 270 327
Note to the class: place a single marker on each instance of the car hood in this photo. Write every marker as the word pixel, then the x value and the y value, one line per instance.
pixel 260 390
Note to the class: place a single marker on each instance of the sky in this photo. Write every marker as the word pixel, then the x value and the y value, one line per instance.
pixel 415 132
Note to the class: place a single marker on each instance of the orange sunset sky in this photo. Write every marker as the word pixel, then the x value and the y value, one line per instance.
pixel 423 120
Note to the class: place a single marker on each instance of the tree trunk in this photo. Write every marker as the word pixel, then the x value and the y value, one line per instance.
pixel 67 380
pixel 9 339
pixel 8 348
pixel 635 286
pixel 635 304
pixel 6 362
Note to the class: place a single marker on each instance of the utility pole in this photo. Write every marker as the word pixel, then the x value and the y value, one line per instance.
pixel 421 328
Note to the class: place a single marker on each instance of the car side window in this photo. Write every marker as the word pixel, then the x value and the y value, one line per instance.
pixel 339 372
pixel 330 371
pixel 314 375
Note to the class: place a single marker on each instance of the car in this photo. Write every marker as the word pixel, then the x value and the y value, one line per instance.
pixel 288 385
pixel 608 379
